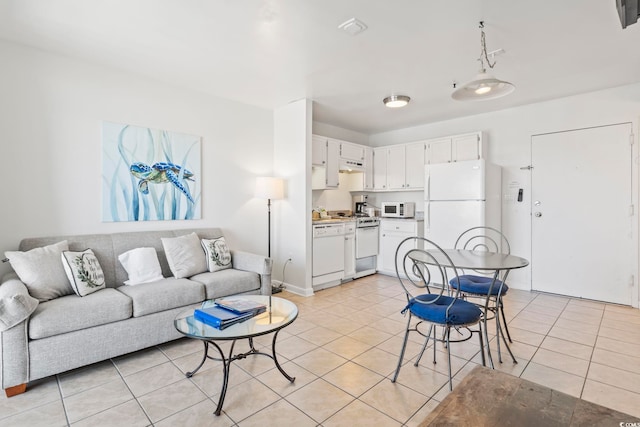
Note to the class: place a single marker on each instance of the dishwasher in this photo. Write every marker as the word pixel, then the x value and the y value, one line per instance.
pixel 328 255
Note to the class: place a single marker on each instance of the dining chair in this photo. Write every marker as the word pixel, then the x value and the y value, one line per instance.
pixel 421 267
pixel 479 285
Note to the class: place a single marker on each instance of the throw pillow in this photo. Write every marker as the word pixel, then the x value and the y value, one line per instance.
pixel 184 255
pixel 142 266
pixel 40 270
pixel 84 271
pixel 14 309
pixel 218 255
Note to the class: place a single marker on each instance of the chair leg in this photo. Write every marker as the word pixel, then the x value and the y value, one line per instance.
pixel 448 334
pixel 426 341
pixel 504 320
pixel 434 345
pixel 498 334
pixel 484 362
pixel 404 346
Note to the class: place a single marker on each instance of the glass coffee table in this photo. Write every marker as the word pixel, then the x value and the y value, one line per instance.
pixel 281 314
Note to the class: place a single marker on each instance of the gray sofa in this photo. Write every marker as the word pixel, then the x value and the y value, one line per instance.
pixel 71 331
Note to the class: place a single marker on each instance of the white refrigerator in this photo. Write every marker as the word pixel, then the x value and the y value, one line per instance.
pixel 458 196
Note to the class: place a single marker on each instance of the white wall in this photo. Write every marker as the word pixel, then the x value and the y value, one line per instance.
pixel 292 160
pixel 509 137
pixel 52 108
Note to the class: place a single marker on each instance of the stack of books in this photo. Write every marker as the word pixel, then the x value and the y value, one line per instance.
pixel 226 312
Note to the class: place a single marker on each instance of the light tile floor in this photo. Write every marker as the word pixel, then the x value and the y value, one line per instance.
pixel 343 350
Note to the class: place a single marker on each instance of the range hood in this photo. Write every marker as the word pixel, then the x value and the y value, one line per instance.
pixel 351 166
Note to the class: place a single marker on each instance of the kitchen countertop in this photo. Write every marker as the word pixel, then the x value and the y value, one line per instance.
pixel 333 220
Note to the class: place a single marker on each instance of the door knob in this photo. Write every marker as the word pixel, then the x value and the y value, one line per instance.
pixel 538 214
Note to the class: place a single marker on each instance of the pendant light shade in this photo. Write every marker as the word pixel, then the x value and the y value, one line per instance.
pixel 485 86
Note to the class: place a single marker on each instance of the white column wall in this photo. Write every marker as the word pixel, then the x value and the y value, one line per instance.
pixel 292 225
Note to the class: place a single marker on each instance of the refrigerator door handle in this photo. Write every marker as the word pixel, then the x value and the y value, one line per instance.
pixel 428 225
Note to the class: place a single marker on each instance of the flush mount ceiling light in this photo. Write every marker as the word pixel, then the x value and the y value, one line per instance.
pixel 396 101
pixel 484 86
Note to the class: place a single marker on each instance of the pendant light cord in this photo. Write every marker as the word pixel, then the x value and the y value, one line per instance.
pixel 483 49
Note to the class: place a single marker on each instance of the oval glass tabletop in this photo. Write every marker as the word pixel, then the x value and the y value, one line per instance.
pixel 282 313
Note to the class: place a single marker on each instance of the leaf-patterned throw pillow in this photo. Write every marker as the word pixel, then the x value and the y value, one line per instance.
pixel 218 254
pixel 84 271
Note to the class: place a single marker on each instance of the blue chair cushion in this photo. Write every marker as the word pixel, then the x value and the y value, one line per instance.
pixel 478 285
pixel 460 313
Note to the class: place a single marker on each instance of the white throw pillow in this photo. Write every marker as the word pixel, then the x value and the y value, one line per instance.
pixel 218 254
pixel 184 255
pixel 83 271
pixel 142 266
pixel 41 271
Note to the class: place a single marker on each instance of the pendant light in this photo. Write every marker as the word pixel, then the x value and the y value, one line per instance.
pixel 484 86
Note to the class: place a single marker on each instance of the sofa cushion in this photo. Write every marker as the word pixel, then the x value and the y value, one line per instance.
pixel 83 271
pixel 228 282
pixel 163 295
pixel 185 255
pixel 218 254
pixel 41 270
pixel 72 313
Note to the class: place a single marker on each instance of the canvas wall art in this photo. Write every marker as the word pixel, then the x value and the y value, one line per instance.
pixel 149 174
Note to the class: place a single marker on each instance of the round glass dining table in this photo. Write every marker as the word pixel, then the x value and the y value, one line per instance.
pixel 481 261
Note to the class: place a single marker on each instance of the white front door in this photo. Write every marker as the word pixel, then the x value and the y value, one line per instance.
pixel 582 241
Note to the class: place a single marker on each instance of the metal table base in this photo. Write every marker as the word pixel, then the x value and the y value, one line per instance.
pixel 226 363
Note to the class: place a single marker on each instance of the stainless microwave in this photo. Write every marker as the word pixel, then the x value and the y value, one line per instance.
pixel 398 209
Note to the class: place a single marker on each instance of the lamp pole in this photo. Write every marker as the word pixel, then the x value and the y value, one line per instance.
pixel 269 228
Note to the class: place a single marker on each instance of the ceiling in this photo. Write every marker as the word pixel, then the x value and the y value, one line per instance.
pixel 268 53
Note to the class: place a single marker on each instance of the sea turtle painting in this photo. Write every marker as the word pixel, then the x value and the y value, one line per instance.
pixel 159 173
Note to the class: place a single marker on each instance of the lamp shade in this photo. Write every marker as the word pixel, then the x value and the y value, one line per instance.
pixel 483 87
pixel 269 187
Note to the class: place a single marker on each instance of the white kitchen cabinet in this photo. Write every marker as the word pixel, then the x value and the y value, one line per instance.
pixel 368 169
pixel 380 168
pixel 456 148
pixel 395 167
pixel 392 233
pixel 318 150
pixel 351 151
pixel 333 163
pixel 414 166
pixel 405 166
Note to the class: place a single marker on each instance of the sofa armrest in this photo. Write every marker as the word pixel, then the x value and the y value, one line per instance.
pixel 256 263
pixel 14 345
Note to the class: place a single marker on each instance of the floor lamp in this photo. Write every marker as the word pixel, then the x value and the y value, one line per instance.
pixel 269 188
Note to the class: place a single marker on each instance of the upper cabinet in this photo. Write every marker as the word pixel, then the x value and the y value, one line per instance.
pixel 405 166
pixel 318 150
pixel 333 163
pixel 325 159
pixel 456 148
pixel 380 168
pixel 368 169
pixel 351 151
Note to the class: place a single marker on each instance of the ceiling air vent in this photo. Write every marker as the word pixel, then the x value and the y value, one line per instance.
pixel 353 26
pixel 628 11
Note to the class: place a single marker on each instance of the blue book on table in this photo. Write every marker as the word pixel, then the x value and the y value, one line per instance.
pixel 218 317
